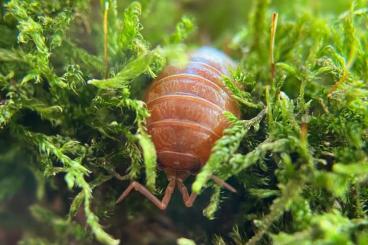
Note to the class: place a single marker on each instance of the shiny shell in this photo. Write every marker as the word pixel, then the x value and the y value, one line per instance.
pixel 187 106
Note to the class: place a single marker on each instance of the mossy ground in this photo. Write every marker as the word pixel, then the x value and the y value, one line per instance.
pixel 72 123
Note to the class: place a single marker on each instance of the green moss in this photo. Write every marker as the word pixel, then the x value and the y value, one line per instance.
pixel 72 119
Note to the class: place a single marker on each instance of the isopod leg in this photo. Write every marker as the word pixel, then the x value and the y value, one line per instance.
pixel 145 192
pixel 222 183
pixel 168 193
pixel 188 200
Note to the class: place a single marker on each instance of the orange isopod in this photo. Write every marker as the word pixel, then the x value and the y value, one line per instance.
pixel 186 107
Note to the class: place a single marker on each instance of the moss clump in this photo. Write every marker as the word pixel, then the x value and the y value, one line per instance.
pixel 72 123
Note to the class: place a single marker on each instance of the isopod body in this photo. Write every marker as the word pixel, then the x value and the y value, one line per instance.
pixel 187 110
pixel 187 107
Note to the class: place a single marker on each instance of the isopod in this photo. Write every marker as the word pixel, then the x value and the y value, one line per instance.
pixel 186 107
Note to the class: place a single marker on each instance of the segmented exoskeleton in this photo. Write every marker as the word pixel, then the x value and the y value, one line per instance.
pixel 187 116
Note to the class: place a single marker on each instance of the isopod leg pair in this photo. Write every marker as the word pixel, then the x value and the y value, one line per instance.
pixel 162 204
